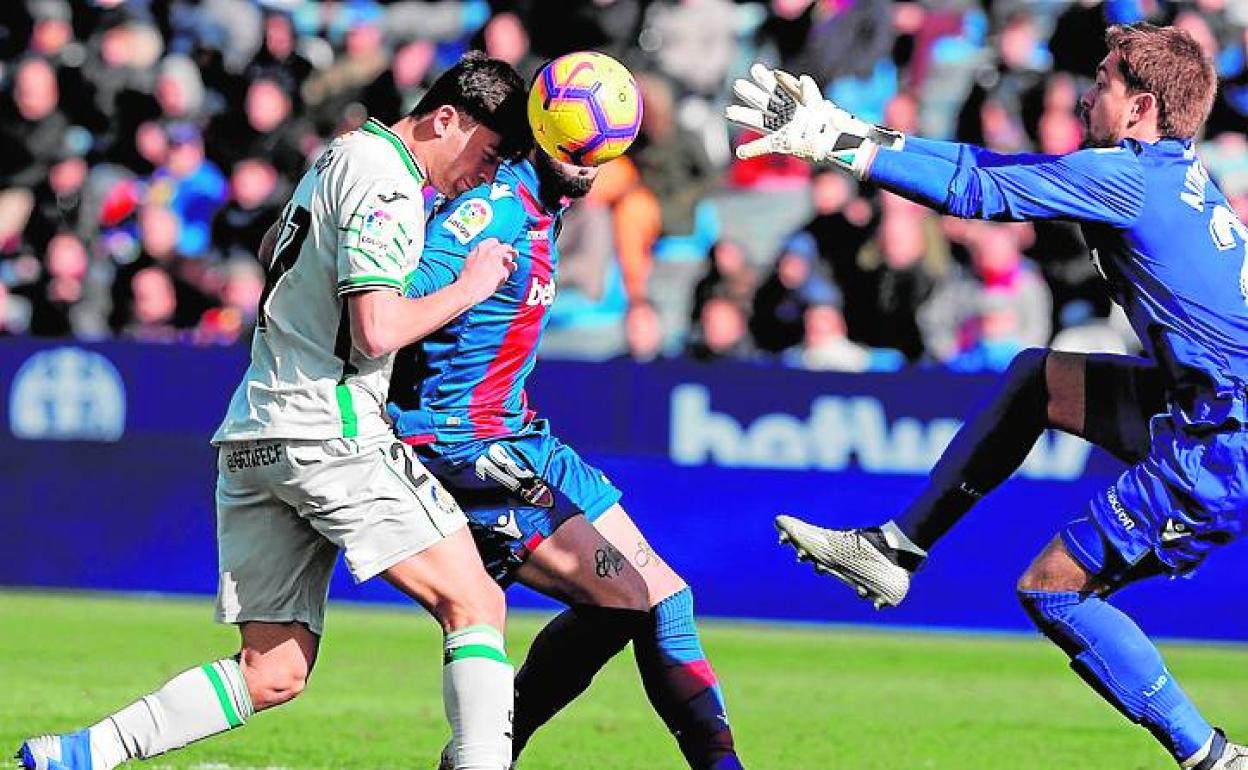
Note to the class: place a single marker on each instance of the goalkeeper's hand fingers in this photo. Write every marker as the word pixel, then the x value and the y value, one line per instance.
pixel 764 145
pixel 765 102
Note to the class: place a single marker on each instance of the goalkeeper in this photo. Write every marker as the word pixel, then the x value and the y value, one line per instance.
pixel 1175 258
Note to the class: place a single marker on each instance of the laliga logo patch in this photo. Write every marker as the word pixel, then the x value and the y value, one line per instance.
pixel 467 221
pixel 377 225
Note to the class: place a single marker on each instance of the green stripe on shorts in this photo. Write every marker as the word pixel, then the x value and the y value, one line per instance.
pixel 350 424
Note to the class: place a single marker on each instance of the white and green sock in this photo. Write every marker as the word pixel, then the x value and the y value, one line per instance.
pixel 195 704
pixel 477 691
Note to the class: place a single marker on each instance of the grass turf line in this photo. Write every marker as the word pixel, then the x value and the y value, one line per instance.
pixel 799 698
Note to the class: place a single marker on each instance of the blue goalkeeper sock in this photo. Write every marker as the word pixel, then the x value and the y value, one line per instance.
pixel 682 687
pixel 1110 652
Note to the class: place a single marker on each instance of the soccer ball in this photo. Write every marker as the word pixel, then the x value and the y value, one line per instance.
pixel 585 108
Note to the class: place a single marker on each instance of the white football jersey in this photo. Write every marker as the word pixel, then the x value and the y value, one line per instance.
pixel 355 223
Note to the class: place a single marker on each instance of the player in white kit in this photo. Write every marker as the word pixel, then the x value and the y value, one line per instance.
pixel 307 463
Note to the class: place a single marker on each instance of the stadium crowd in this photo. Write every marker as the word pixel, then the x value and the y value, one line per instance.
pixel 149 143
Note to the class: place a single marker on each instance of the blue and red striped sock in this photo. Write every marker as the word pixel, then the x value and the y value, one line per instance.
pixel 682 686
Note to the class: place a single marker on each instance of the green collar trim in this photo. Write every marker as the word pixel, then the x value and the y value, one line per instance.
pixel 375 127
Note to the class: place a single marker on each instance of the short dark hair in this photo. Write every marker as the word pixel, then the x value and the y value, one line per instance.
pixel 490 92
pixel 1168 63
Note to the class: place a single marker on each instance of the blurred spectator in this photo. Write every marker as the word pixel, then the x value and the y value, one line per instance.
pixel 152 304
pixel 397 90
pixel 191 186
pixel 32 128
pixel 902 266
pixel 828 39
pixel 1008 92
pixel 826 347
pixel 58 198
pixel 693 42
pixel 180 90
pixel 278 53
pixel 57 301
pixel 610 26
pixel 124 54
pixel 721 332
pixel 159 235
pixel 586 251
pixel 450 21
pixel 654 189
pixel 842 225
pixel 643 333
pixel 1230 111
pixel 729 274
pixel 332 95
pixel 782 299
pixel 995 336
pixel 235 319
pixel 1083 331
pixel 252 208
pixel 952 320
pixel 265 126
pixel 504 37
pixel 106 102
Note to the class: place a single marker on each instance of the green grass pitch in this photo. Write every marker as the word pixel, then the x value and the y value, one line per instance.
pixel 801 698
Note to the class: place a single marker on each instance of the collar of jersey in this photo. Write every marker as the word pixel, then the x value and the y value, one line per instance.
pixel 376 128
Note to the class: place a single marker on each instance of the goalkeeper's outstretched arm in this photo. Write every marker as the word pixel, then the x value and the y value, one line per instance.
pixel 1103 185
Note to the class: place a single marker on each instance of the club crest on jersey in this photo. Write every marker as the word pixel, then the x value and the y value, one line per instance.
pixel 467 221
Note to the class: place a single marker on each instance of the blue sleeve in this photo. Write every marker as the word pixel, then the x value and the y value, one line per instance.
pixel 478 214
pixel 1100 185
pixel 957 152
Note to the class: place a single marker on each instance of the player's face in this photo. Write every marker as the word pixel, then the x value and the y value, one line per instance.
pixel 469 157
pixel 563 180
pixel 1107 108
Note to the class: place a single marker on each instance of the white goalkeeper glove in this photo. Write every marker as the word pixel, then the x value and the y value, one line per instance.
pixel 796 120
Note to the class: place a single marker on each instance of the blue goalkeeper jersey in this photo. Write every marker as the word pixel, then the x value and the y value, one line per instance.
pixel 466 381
pixel 1161 232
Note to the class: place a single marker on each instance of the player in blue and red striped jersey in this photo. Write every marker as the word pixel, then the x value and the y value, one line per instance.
pixel 1176 259
pixel 541 515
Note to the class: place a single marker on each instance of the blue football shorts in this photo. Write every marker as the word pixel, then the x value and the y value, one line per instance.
pixel 517 490
pixel 1184 495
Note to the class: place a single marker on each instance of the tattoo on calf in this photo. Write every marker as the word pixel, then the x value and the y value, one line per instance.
pixel 645 554
pixel 608 562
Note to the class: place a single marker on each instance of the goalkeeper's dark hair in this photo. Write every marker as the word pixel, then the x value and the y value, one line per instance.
pixel 487 91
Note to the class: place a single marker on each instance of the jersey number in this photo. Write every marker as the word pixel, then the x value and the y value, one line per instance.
pixel 296 221
pixel 1224 227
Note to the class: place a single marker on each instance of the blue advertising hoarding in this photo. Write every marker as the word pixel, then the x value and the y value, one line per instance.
pixel 107 480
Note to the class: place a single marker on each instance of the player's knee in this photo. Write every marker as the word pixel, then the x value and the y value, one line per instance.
pixel 272 682
pixel 1027 368
pixel 481 603
pixel 1048 610
pixel 625 590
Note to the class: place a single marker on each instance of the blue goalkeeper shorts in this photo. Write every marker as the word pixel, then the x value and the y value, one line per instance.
pixel 517 490
pixel 1184 494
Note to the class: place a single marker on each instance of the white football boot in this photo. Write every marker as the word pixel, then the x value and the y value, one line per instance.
pixel 1219 754
pixel 877 563
pixel 447 760
pixel 56 752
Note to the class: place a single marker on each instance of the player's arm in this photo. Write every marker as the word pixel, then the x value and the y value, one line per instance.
pixel 478 215
pixel 267 244
pixel 962 180
pixel 1105 186
pixel 380 224
pixel 383 320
